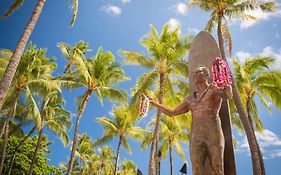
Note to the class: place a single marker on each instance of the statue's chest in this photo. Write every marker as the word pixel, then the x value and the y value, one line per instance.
pixel 203 100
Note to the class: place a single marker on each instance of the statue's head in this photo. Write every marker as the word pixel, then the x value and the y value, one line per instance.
pixel 201 73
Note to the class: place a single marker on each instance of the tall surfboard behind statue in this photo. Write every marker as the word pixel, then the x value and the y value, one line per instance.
pixel 203 49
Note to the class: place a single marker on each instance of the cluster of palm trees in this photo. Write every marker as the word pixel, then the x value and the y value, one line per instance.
pixel 30 93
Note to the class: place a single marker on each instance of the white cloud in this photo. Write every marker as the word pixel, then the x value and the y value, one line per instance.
pixel 125 1
pixel 260 16
pixel 112 10
pixel 267 51
pixel 174 23
pixel 269 142
pixel 181 8
pixel 277 35
pixel 242 56
pixel 193 31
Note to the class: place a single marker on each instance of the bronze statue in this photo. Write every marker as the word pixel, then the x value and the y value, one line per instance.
pixel 206 139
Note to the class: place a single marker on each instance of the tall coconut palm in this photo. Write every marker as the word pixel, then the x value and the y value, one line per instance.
pixel 219 10
pixel 128 167
pixel 14 61
pixel 121 126
pixel 254 79
pixel 97 75
pixel 166 51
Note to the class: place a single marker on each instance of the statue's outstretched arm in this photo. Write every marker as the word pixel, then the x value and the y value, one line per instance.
pixel 180 109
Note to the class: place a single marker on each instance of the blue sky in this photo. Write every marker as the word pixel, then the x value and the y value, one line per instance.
pixel 120 24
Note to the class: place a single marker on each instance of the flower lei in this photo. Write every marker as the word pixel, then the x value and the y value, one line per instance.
pixel 221 73
pixel 144 104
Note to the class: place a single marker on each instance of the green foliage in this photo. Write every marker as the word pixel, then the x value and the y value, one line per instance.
pixel 122 125
pixel 166 52
pixel 254 79
pixel 128 167
pixel 15 5
pixel 231 9
pixel 23 158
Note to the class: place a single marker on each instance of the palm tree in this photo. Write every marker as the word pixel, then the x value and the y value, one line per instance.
pixel 174 131
pixel 173 134
pixel 102 163
pixel 255 80
pixel 128 167
pixel 55 117
pixel 121 126
pixel 34 70
pixel 14 61
pixel 84 152
pixel 97 75
pixel 166 52
pixel 219 10
pixel 72 52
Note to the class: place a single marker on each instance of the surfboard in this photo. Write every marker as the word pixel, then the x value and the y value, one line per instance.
pixel 203 49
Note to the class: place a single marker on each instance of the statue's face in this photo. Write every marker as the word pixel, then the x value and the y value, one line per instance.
pixel 199 75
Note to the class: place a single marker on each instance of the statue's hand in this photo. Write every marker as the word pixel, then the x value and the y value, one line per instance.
pixel 147 96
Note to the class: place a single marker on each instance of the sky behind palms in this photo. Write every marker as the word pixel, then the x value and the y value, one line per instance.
pixel 120 24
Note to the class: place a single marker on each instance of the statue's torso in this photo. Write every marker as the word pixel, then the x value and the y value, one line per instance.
pixel 208 106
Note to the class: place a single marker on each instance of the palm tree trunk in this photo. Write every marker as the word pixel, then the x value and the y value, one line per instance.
pixel 74 145
pixel 249 109
pixel 229 158
pixel 253 144
pixel 156 130
pixel 171 160
pixel 40 134
pixel 67 69
pixel 18 147
pixel 5 142
pixel 117 156
pixel 3 129
pixel 14 62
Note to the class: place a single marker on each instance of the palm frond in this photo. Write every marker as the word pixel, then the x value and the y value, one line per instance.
pixel 137 58
pixel 268 6
pixel 44 86
pixel 205 5
pixel 147 141
pixel 179 150
pixel 104 139
pixel 264 102
pixel 226 36
pixel 114 94
pixel 164 148
pixel 15 5
pixel 257 64
pixel 180 67
pixel 34 113
pixel 107 123
pixel 126 145
pixel 74 6
pixel 211 23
